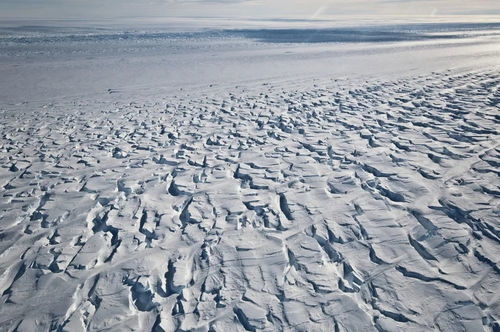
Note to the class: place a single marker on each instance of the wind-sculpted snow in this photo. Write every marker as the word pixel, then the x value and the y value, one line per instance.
pixel 331 207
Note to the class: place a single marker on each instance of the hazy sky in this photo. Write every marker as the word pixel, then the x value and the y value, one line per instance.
pixel 240 8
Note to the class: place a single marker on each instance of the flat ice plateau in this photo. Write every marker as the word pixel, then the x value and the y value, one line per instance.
pixel 274 179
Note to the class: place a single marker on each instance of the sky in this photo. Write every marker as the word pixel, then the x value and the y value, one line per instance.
pixel 62 9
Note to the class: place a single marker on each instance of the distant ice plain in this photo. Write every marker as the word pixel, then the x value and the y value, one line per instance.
pixel 44 60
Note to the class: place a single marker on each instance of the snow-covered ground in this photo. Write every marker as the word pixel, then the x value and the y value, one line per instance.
pixel 247 179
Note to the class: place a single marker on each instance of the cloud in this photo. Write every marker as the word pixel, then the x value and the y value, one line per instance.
pixel 241 8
